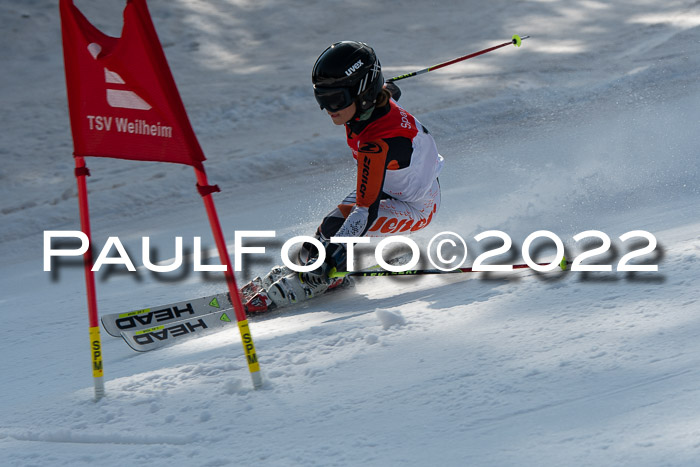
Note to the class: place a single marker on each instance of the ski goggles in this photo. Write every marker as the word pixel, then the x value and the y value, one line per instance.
pixel 333 99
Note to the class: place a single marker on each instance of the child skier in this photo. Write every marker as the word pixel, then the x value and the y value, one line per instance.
pixel 397 189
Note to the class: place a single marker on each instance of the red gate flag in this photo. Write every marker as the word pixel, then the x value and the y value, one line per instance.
pixel 122 98
pixel 123 103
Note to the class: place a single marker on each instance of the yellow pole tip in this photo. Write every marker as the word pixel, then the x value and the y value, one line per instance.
pixel 517 41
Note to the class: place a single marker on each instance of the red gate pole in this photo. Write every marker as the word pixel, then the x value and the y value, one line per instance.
pixel 81 171
pixel 246 337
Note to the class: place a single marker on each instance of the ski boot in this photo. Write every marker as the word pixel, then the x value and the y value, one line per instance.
pixel 254 297
pixel 290 290
pixel 257 296
pixel 260 302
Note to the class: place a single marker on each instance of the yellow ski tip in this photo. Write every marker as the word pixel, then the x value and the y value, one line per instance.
pixel 517 41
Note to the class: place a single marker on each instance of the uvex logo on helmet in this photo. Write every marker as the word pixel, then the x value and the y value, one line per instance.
pixel 354 68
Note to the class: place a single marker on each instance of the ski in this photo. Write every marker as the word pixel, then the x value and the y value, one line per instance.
pixel 144 340
pixel 116 323
pixel 136 320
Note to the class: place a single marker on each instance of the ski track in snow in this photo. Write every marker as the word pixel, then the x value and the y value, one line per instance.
pixel 595 129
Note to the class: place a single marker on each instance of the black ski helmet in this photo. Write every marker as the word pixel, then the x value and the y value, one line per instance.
pixel 347 72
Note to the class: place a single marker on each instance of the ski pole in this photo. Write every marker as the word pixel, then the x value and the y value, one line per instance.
pixel 420 272
pixel 516 41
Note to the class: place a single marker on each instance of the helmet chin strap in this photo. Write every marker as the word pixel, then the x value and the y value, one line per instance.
pixel 361 115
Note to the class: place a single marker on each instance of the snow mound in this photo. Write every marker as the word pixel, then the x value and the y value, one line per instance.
pixel 390 318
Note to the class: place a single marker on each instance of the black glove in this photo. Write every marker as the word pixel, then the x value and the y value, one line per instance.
pixel 335 257
pixel 318 276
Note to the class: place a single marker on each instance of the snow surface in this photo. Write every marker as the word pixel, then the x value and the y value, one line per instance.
pixel 592 124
